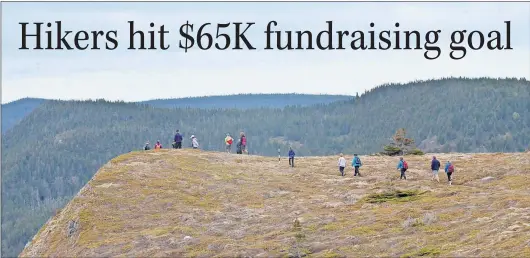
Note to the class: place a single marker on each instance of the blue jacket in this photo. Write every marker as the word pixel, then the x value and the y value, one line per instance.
pixel 291 153
pixel 178 137
pixel 400 164
pixel 435 164
pixel 356 162
pixel 447 166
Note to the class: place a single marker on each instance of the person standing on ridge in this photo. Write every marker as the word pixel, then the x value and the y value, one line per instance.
pixel 194 142
pixel 342 164
pixel 435 166
pixel 243 142
pixel 356 164
pixel 228 142
pixel 402 166
pixel 449 169
pixel 291 157
pixel 147 146
pixel 238 147
pixel 158 146
pixel 178 140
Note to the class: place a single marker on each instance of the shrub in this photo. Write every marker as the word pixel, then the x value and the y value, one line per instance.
pixel 416 152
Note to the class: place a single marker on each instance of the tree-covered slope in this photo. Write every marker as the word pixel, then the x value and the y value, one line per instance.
pixel 246 101
pixel 15 111
pixel 58 147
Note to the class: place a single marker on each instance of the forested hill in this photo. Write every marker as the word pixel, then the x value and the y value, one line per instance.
pixel 15 111
pixel 53 151
pixel 246 101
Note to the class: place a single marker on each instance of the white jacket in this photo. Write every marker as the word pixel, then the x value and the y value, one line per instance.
pixel 195 143
pixel 342 162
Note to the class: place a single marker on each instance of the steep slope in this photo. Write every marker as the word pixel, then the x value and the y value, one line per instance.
pixel 194 203
pixel 56 149
pixel 15 111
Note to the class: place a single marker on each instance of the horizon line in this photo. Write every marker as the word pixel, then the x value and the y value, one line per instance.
pixel 188 97
pixel 288 93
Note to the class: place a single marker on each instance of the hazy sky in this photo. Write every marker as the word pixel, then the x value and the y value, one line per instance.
pixel 133 75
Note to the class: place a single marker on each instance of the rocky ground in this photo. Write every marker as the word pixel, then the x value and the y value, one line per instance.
pixel 203 204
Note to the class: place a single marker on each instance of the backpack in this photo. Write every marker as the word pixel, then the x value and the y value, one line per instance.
pixel 405 165
pixel 229 141
pixel 451 169
pixel 357 161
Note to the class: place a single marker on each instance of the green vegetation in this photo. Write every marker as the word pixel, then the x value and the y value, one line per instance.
pixel 401 145
pixel 247 101
pixel 397 195
pixel 49 155
pixel 15 111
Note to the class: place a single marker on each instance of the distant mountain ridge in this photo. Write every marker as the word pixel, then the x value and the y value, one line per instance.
pixel 15 111
pixel 246 101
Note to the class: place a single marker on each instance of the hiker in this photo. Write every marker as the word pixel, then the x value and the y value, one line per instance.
pixel 356 163
pixel 147 146
pixel 449 169
pixel 228 142
pixel 178 140
pixel 158 145
pixel 291 157
pixel 342 164
pixel 194 142
pixel 402 166
pixel 238 147
pixel 243 142
pixel 435 166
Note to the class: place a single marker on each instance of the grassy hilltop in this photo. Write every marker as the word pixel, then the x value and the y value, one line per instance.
pixel 198 203
pixel 49 155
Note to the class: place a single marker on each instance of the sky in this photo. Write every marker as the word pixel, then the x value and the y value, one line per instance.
pixel 134 75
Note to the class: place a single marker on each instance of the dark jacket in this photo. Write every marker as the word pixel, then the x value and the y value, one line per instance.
pixel 291 153
pixel 178 137
pixel 435 164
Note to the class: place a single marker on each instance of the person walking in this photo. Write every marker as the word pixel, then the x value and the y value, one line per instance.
pixel 178 140
pixel 435 166
pixel 228 143
pixel 194 142
pixel 402 166
pixel 449 169
pixel 291 157
pixel 342 164
pixel 356 164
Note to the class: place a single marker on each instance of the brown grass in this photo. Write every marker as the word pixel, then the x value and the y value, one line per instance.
pixel 189 203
